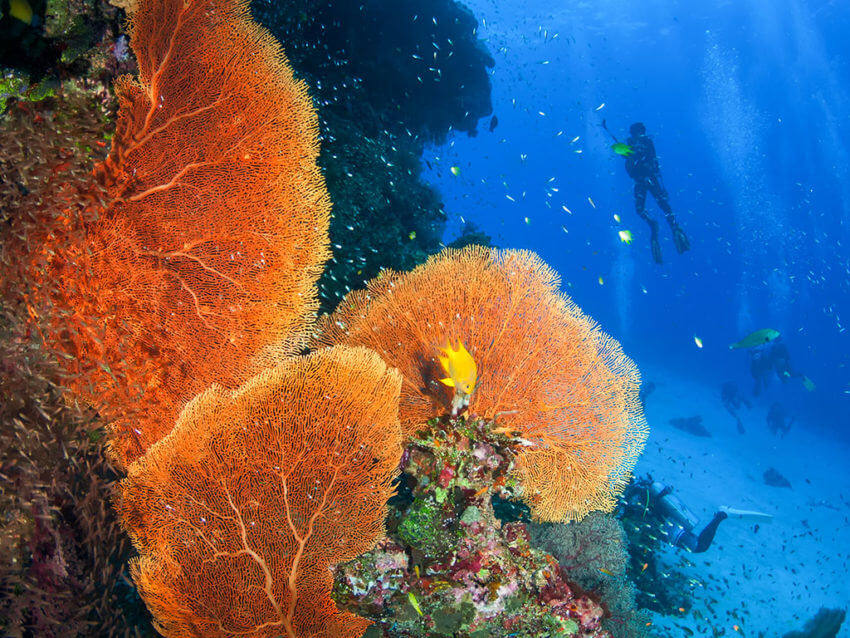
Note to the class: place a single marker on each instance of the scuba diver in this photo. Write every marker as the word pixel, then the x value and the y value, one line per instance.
pixel 651 500
pixel 733 399
pixel 773 357
pixel 642 166
pixel 777 420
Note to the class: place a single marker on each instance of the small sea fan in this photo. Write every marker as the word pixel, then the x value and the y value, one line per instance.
pixel 242 509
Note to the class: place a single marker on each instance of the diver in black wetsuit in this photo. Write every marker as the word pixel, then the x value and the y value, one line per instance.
pixel 771 358
pixel 677 524
pixel 642 167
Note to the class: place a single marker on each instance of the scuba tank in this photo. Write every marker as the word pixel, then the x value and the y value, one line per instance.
pixel 671 507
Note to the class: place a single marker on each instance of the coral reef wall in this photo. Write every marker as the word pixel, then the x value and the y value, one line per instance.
pixel 387 77
pixel 64 38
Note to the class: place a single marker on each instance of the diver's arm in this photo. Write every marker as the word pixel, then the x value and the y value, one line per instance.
pixel 706 536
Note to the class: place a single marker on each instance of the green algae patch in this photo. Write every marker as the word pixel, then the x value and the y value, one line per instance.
pixel 421 523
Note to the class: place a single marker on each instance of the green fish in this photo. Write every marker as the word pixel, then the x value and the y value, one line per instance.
pixel 757 338
pixel 622 149
pixel 414 602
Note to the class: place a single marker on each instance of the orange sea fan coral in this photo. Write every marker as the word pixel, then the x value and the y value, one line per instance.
pixel 544 369
pixel 205 248
pixel 241 510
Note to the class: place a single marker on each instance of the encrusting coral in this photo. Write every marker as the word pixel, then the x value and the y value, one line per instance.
pixel 242 509
pixel 201 243
pixel 544 368
pixel 592 553
pixel 448 567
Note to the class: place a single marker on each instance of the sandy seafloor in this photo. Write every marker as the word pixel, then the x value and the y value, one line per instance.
pixel 768 581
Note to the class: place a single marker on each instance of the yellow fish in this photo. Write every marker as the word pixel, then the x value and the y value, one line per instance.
pixel 414 603
pixel 622 149
pixel 455 170
pixel 21 10
pixel 808 384
pixel 462 373
pixel 625 236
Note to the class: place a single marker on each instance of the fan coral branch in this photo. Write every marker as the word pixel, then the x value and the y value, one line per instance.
pixel 241 510
pixel 201 253
pixel 544 368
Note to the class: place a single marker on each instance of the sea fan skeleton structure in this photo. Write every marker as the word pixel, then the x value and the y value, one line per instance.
pixel 240 511
pixel 195 255
pixel 545 369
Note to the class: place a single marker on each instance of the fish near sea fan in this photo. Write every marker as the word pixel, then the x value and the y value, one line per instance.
pixel 240 512
pixel 544 368
pixel 203 247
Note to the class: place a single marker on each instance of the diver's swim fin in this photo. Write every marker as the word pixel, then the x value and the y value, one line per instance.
pixel 681 240
pixel 656 248
pixel 747 515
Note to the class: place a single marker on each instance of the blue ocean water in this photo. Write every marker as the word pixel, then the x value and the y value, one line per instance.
pixel 748 104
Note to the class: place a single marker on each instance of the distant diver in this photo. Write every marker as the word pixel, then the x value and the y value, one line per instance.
pixel 653 501
pixel 773 358
pixel 642 166
pixel 733 399
pixel 777 420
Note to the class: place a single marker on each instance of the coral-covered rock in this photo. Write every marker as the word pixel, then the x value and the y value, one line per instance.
pixel 592 552
pixel 65 39
pixel 449 567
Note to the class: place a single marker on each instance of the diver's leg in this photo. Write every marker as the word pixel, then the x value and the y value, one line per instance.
pixel 640 201
pixel 706 536
pixel 661 197
pixel 686 539
pixel 640 209
pixel 784 370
